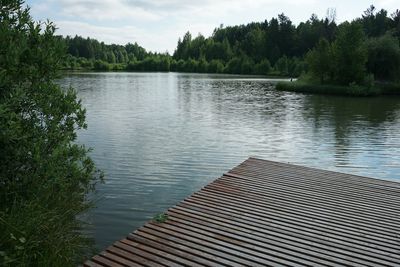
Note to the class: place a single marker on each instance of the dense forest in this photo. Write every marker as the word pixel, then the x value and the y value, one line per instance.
pixel 274 47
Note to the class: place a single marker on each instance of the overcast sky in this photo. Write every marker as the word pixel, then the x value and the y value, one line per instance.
pixel 157 24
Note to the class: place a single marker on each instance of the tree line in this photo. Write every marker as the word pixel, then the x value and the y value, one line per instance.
pixel 274 47
pixel 364 51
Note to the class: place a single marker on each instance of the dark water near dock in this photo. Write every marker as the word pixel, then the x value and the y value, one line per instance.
pixel 161 136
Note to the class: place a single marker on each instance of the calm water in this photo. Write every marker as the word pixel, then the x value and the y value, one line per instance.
pixel 159 137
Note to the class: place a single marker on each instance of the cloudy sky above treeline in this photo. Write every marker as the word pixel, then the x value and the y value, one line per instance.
pixel 157 24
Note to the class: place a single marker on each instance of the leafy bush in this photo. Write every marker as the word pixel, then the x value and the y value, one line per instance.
pixel 45 175
pixel 384 57
pixel 234 66
pixel 215 66
pixel 262 68
pixel 101 65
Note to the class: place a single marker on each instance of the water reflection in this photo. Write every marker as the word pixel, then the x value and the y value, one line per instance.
pixel 360 126
pixel 161 136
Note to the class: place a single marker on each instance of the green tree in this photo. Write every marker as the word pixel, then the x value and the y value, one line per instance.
pixel 375 24
pixel 111 57
pixel 254 44
pixel 263 68
pixel 183 47
pixel 295 67
pixel 247 66
pixel 165 64
pixel 217 50
pixel 282 66
pixel 101 65
pixel 320 60
pixel 286 35
pixel 384 57
pixel 190 65
pixel 45 175
pixel 202 67
pixel 350 54
pixel 234 66
pixel 215 66
pixel 395 23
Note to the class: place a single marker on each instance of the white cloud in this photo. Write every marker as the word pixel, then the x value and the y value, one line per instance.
pixel 38 9
pixel 105 10
pixel 119 35
pixel 157 24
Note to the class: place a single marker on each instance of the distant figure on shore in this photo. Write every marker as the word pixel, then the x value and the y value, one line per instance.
pixel 291 79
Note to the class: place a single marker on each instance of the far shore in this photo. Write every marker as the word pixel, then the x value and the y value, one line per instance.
pixel 381 88
pixel 268 76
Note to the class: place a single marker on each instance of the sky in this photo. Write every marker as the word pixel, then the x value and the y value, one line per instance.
pixel 157 24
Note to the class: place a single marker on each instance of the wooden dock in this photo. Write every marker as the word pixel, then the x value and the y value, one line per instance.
pixel 264 213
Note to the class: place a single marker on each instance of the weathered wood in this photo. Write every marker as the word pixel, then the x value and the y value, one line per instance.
pixel 264 213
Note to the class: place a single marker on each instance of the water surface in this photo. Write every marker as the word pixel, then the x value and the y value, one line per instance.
pixel 161 136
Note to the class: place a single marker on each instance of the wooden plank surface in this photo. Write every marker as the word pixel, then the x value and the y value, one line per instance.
pixel 264 213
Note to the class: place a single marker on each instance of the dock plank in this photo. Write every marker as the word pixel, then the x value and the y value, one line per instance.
pixel 265 213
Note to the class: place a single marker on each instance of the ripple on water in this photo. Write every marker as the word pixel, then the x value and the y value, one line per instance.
pixel 161 136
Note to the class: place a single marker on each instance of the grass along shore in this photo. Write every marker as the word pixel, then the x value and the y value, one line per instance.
pixel 350 90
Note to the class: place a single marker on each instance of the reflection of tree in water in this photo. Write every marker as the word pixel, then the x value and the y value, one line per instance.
pixel 224 94
pixel 350 116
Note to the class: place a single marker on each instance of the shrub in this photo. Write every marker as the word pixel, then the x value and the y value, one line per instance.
pixel 101 65
pixel 45 175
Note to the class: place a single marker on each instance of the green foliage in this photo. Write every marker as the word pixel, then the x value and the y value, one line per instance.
pixel 269 40
pixel 44 175
pixel 384 57
pixel 282 65
pixel 234 66
pixel 183 47
pixel 94 50
pixel 202 66
pixel 390 88
pixel 350 54
pixel 111 57
pixel 320 60
pixel 215 66
pixel 354 60
pixel 160 218
pixel 118 67
pixel 340 59
pixel 334 53
pixel 152 63
pixel 395 24
pixel 262 68
pixel 375 24
pixel 296 67
pixel 101 65
pixel 190 65
pixel 247 66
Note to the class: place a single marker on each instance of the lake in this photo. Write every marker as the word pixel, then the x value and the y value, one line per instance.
pixel 161 136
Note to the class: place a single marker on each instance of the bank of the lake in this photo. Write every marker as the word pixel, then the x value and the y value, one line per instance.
pixel 275 77
pixel 330 89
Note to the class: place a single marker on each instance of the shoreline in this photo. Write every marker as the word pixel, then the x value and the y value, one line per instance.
pixel 331 89
pixel 181 72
